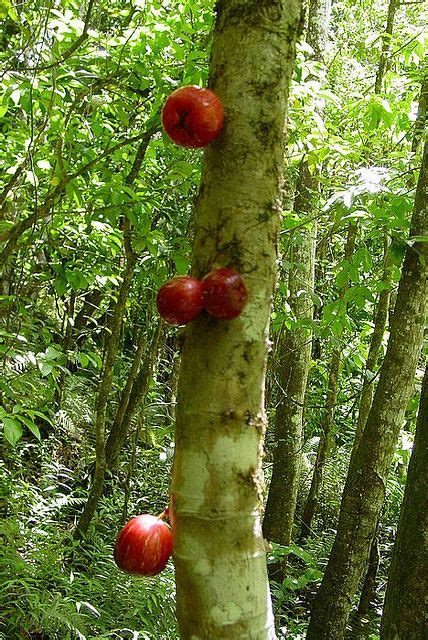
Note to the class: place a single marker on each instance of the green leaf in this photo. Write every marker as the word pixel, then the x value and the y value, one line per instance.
pixel 76 279
pixel 4 8
pixel 45 368
pixel 397 250
pixel 52 353
pixel 342 277
pixel 12 430
pixel 31 426
pixel 181 263
pixel 60 285
pixel 82 359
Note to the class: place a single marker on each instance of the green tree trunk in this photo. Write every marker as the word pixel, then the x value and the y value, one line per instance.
pixel 373 358
pixel 110 352
pixel 365 485
pixel 386 44
pixel 374 354
pixel 135 392
pixel 295 355
pixel 219 550
pixel 331 400
pixel 296 344
pixel 112 345
pixel 405 600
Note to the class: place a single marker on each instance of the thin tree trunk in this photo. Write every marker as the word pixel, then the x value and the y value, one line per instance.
pixel 137 394
pixel 219 550
pixel 360 623
pixel 386 44
pixel 295 354
pixel 296 344
pixel 374 354
pixel 85 315
pixel 381 318
pixel 110 352
pixel 380 321
pixel 331 400
pixel 420 123
pixel 66 346
pixel 127 390
pixel 405 599
pixel 111 348
pixel 312 500
pixel 365 485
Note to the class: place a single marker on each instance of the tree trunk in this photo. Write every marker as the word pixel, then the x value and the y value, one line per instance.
pixel 373 356
pixel 296 344
pixel 137 394
pixel 360 624
pixel 405 599
pixel 219 550
pixel 112 345
pixel 331 400
pixel 365 485
pixel 311 503
pixel 386 44
pixel 110 352
pixel 295 358
pixel 66 343
pixel 421 119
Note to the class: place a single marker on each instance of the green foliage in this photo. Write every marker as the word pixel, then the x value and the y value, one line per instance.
pixel 61 588
pixel 78 92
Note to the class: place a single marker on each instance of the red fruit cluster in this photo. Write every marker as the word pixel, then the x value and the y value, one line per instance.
pixel 221 292
pixel 143 546
pixel 192 116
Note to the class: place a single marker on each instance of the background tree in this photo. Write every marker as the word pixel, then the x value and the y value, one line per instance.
pixel 296 343
pixel 407 580
pixel 365 486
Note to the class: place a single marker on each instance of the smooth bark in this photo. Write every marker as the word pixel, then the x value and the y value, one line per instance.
pixel 404 615
pixel 219 550
pixel 365 485
pixel 375 349
pixel 312 500
pixel 135 393
pixel 295 353
pixel 386 44
pixel 296 344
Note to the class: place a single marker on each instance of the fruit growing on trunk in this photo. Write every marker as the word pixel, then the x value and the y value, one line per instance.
pixel 143 546
pixel 192 116
pixel 179 300
pixel 224 293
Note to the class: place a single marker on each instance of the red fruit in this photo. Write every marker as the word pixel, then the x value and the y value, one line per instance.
pixel 224 293
pixel 192 116
pixel 143 546
pixel 179 300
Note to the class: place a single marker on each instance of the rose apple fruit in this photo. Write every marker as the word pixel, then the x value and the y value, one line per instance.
pixel 192 116
pixel 224 293
pixel 143 546
pixel 179 300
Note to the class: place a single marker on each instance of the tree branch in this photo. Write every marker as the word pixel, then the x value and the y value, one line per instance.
pixel 12 235
pixel 69 52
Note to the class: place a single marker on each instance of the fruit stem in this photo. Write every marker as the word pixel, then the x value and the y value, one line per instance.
pixel 164 514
